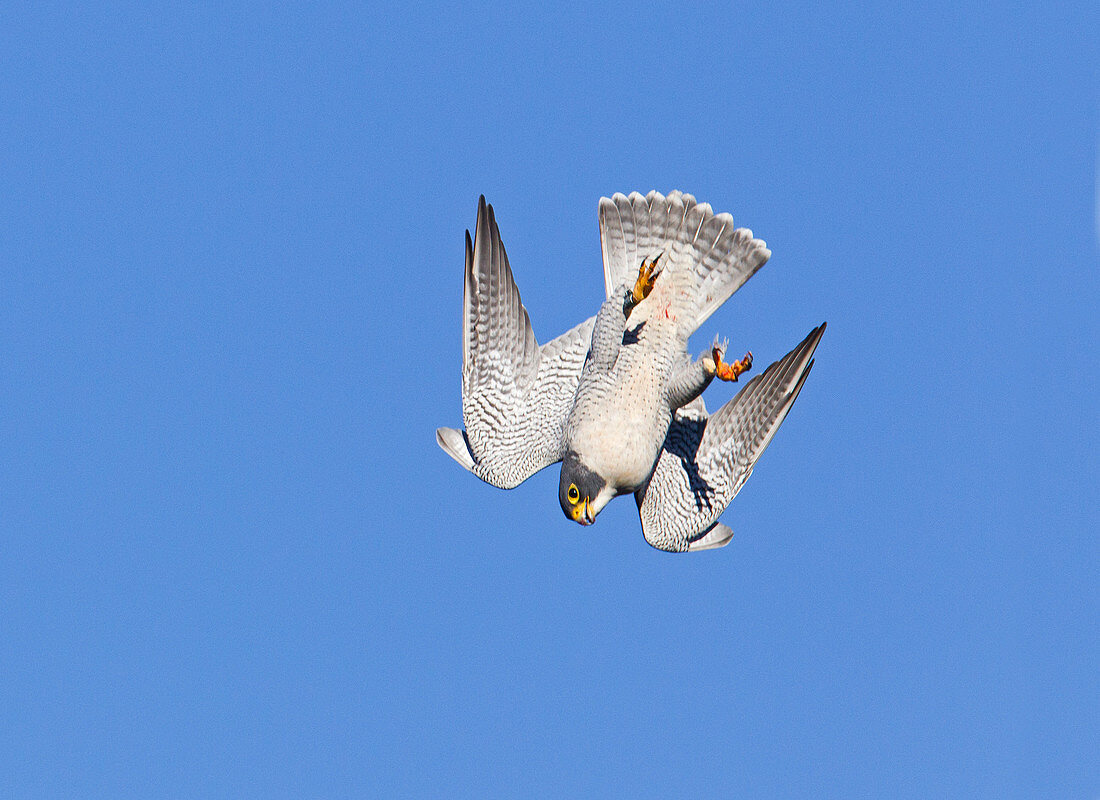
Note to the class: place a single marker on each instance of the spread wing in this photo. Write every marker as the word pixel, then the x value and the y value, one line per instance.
pixel 515 394
pixel 705 461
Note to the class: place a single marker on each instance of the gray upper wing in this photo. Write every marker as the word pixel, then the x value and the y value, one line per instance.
pixel 705 461
pixel 515 394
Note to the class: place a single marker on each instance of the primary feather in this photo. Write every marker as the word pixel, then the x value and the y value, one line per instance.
pixel 613 396
pixel 515 394
pixel 705 461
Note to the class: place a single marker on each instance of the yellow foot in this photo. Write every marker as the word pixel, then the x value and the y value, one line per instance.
pixel 729 372
pixel 647 276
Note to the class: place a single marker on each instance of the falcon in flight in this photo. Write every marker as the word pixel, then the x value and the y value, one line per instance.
pixel 617 399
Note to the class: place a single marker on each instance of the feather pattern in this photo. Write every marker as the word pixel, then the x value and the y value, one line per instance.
pixel 705 461
pixel 623 406
pixel 610 390
pixel 515 394
pixel 719 256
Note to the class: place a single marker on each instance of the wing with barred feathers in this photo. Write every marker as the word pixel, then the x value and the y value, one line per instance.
pixel 515 394
pixel 705 460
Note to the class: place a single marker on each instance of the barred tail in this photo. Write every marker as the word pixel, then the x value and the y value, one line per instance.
pixel 690 236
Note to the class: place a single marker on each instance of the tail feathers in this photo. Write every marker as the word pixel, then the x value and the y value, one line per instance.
pixel 636 227
pixel 690 237
pixel 724 258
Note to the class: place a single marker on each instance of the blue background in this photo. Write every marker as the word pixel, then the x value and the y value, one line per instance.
pixel 233 561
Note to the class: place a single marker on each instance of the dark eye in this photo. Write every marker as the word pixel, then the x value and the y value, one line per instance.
pixel 574 495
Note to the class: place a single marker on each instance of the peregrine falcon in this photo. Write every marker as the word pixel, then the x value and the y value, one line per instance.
pixel 617 399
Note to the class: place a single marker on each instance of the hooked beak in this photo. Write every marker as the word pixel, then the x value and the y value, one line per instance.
pixel 582 512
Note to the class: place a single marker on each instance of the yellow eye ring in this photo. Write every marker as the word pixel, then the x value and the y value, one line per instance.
pixel 573 495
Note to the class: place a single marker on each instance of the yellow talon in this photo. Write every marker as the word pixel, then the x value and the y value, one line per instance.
pixel 729 372
pixel 647 276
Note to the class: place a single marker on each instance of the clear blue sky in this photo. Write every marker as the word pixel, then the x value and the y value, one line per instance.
pixel 233 562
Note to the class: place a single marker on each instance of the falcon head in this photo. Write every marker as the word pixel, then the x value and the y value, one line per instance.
pixel 581 492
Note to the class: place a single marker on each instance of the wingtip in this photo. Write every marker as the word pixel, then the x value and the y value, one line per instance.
pixel 482 214
pixel 816 334
pixel 485 226
pixel 808 345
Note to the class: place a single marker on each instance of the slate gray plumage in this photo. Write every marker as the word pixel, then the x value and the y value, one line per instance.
pixel 617 397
